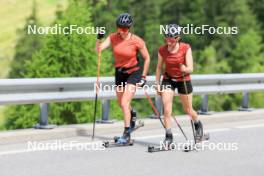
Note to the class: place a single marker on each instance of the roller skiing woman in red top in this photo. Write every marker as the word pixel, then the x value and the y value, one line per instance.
pixel 125 47
pixel 178 61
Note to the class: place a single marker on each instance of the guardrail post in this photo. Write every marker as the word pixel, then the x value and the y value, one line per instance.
pixel 204 106
pixel 43 118
pixel 159 106
pixel 105 112
pixel 245 102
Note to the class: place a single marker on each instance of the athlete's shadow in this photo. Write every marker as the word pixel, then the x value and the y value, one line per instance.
pixel 84 133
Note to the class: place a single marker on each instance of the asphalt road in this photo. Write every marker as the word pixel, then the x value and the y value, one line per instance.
pixel 246 157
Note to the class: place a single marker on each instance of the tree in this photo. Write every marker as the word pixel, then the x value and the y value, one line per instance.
pixel 63 55
pixel 258 8
pixel 248 54
pixel 26 45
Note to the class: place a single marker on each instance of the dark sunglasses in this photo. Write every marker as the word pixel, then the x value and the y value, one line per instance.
pixel 122 30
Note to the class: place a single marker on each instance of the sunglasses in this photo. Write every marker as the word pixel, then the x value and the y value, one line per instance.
pixel 122 30
pixel 171 40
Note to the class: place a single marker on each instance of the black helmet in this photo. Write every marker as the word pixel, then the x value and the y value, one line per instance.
pixel 124 20
pixel 172 30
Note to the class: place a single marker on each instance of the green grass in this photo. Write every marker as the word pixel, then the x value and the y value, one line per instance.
pixel 2 117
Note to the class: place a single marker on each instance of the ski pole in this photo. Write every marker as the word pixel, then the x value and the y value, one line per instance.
pixel 154 108
pixel 97 90
pixel 180 128
pixel 186 92
pixel 158 114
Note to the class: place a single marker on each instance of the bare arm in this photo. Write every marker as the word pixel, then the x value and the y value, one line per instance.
pixel 188 68
pixel 145 54
pixel 103 45
pixel 159 68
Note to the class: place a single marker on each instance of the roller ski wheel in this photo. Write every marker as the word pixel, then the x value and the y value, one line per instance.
pixel 151 149
pixel 106 144
pixel 188 148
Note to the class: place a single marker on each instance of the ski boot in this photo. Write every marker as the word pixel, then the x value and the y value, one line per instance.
pixel 198 126
pixel 133 119
pixel 168 140
pixel 125 139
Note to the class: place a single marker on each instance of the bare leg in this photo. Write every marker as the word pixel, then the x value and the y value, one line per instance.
pixel 167 99
pixel 128 95
pixel 186 101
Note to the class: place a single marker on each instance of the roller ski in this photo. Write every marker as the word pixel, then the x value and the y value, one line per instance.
pixel 118 142
pixel 166 146
pixel 199 136
pixel 125 140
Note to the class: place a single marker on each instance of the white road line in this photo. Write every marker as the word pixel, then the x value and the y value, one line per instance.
pixel 218 130
pixel 15 152
pixel 250 126
pixel 177 134
pixel 32 150
pixel 154 136
pixel 143 137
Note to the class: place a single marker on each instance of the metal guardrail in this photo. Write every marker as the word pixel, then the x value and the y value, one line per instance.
pixel 46 90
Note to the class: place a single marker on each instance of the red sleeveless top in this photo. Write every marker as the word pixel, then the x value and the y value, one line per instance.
pixel 125 51
pixel 173 60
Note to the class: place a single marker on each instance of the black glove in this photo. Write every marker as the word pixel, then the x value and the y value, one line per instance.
pixel 100 36
pixel 142 82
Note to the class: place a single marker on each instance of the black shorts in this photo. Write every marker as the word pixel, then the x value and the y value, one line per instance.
pixel 168 83
pixel 121 78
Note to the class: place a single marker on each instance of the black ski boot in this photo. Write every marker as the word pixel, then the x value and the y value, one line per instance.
pixel 198 126
pixel 168 140
pixel 133 118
